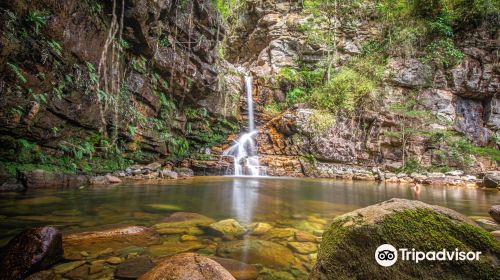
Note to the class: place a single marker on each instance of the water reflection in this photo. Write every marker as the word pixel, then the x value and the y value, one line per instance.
pixel 245 199
pixel 276 201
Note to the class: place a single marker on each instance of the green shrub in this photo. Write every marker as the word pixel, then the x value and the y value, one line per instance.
pixel 287 74
pixel 320 121
pixel 295 95
pixel 273 109
pixel 411 166
pixel 36 19
pixel 17 71
pixel 346 90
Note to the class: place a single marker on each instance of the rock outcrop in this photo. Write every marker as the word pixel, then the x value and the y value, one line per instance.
pixel 272 39
pixel 55 93
pixel 349 245
pixel 31 251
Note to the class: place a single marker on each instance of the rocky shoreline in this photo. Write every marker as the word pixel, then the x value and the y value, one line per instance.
pixel 158 173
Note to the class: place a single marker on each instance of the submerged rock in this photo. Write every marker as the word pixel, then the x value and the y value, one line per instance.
pixel 487 223
pixel 134 268
pixel 163 207
pixel 188 266
pixel 116 238
pixel 183 223
pixel 171 248
pixel 349 244
pixel 66 267
pixel 262 252
pixel 303 247
pixel 259 228
pixel 43 275
pixel 229 227
pixel 30 251
pixel 240 271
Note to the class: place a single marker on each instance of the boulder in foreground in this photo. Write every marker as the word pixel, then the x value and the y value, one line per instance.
pixel 30 251
pixel 349 244
pixel 188 266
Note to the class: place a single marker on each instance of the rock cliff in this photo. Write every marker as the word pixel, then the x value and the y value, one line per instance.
pixel 95 85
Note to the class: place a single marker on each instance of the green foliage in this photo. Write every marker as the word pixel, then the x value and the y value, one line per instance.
pixel 92 74
pixel 27 151
pixel 17 71
pixel 274 109
pixel 346 90
pixel 295 95
pixel 458 149
pixel 124 45
pixel 429 25
pixel 320 121
pixel 163 42
pixel 178 146
pixel 132 130
pixel 444 52
pixel 55 47
pixel 138 64
pixel 36 19
pixel 228 8
pixel 310 158
pixel 411 166
pixel 288 74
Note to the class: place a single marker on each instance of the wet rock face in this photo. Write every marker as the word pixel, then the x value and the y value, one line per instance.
pixel 188 266
pixel 30 251
pixel 151 30
pixel 196 62
pixel 349 244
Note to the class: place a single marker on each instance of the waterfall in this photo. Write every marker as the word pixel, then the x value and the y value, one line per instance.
pixel 244 151
pixel 249 91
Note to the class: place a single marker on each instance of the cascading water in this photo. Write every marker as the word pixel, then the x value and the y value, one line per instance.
pixel 244 151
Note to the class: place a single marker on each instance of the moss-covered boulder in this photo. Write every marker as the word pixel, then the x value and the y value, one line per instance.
pixel 349 245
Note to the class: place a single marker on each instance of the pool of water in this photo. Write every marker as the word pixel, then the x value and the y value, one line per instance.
pixel 301 204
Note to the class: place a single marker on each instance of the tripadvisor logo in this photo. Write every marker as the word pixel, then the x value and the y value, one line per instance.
pixel 386 255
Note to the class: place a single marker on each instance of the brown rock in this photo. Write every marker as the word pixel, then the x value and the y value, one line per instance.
pixel 305 237
pixel 188 266
pixel 116 238
pixel 43 179
pixel 495 213
pixel 79 273
pixel 32 250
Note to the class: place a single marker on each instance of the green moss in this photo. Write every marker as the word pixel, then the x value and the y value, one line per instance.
pixel 425 230
pixel 349 244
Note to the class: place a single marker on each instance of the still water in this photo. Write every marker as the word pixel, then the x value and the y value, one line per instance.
pixel 301 204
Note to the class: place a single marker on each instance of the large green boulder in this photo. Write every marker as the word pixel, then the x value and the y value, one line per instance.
pixel 349 245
